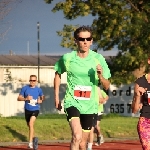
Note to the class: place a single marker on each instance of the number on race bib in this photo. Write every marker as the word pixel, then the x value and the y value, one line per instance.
pixel 79 93
pixel 82 92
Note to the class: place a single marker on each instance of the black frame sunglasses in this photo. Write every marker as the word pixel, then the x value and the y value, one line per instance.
pixel 32 80
pixel 83 39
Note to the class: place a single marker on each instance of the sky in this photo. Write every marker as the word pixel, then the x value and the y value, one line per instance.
pixel 22 36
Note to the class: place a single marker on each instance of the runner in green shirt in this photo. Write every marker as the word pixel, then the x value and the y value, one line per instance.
pixel 100 138
pixel 103 97
pixel 85 69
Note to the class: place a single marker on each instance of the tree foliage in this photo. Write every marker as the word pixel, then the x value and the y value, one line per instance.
pixel 120 23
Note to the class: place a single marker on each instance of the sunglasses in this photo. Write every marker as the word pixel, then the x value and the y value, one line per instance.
pixel 83 39
pixel 32 80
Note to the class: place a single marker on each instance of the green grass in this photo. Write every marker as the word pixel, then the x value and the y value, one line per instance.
pixel 55 127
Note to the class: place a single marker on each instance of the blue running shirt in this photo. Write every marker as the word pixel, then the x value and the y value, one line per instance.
pixel 35 93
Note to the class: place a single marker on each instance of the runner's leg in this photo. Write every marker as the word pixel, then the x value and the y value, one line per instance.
pixel 86 123
pixel 73 116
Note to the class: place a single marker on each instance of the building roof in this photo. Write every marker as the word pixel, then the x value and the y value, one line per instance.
pixel 29 60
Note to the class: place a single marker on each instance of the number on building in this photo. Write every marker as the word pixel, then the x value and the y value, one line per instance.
pixel 117 108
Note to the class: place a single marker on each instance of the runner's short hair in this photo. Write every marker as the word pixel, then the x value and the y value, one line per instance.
pixel 33 76
pixel 82 29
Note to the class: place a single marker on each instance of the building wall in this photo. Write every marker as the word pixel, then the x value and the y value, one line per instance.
pixel 22 73
pixel 120 98
pixel 9 106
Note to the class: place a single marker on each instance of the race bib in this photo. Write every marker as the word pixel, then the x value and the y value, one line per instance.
pixel 82 92
pixel 148 93
pixel 33 102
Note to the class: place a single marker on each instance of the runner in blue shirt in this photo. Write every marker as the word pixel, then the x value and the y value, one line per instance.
pixel 33 97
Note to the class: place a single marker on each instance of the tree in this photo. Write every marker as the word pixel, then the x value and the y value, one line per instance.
pixel 120 23
pixel 5 7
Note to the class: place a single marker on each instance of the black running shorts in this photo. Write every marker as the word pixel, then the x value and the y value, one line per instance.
pixel 99 117
pixel 29 114
pixel 85 119
pixel 96 118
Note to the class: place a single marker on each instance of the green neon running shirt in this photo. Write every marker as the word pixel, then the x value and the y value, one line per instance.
pixel 82 80
pixel 100 107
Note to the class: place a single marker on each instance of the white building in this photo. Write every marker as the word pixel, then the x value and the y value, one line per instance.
pixel 16 69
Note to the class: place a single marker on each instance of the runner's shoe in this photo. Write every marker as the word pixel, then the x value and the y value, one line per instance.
pixel 96 144
pixel 98 141
pixel 35 143
pixel 30 145
pixel 102 139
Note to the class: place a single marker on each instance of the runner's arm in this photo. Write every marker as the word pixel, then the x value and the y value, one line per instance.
pixel 57 81
pixel 106 99
pixel 103 97
pixel 105 82
pixel 21 98
pixel 136 99
pixel 40 99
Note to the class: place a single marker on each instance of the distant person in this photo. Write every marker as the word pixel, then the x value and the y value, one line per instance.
pixel 103 97
pixel 85 69
pixel 141 101
pixel 33 96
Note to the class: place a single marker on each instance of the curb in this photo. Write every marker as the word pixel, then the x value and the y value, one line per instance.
pixel 64 141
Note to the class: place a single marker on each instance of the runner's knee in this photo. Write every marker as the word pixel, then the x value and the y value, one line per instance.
pixel 77 138
pixel 82 145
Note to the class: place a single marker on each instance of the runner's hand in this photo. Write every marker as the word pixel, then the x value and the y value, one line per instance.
pixel 58 105
pixel 29 97
pixel 102 101
pixel 140 91
pixel 39 101
pixel 99 69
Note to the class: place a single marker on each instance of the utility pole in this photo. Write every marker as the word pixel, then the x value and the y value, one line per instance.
pixel 38 40
pixel 28 47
